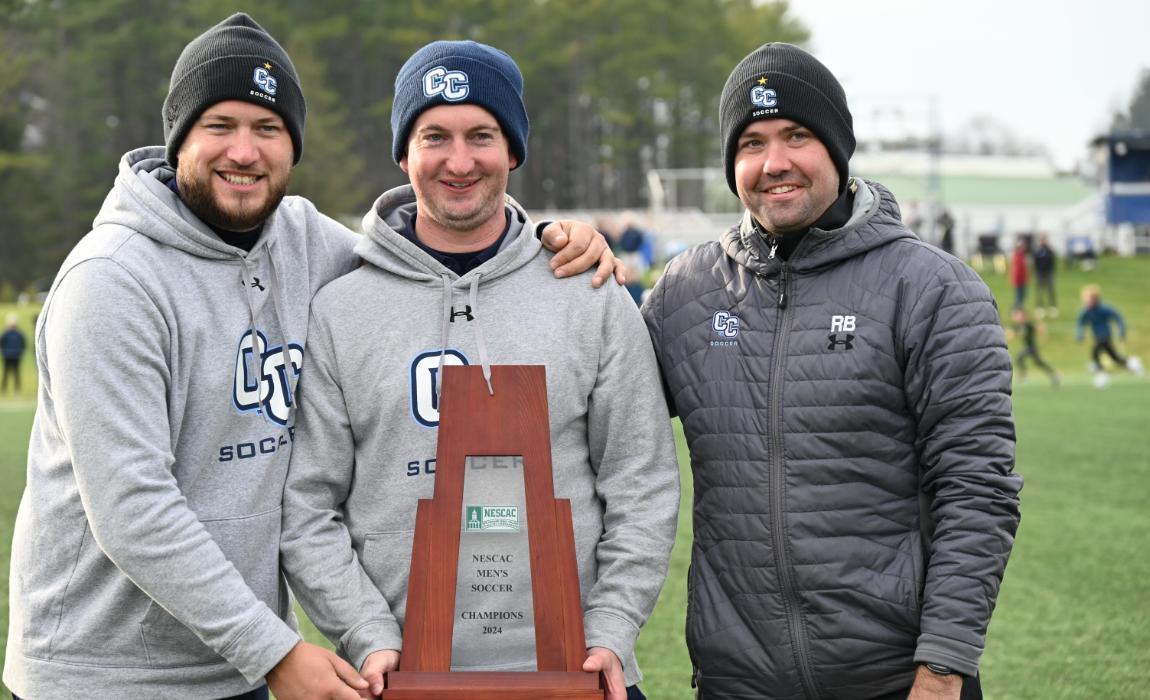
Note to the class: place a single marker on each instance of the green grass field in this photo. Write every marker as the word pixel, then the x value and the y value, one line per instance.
pixel 1073 618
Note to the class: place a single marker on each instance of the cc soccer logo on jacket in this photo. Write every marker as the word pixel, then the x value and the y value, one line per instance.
pixel 265 378
pixel 424 385
pixel 725 325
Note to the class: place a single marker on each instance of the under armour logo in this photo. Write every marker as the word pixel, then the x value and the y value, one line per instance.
pixel 848 343
pixel 256 283
pixel 466 312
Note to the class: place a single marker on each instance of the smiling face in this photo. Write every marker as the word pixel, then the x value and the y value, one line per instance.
pixel 234 165
pixel 784 175
pixel 458 160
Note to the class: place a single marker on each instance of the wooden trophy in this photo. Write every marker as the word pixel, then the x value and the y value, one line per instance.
pixel 493 566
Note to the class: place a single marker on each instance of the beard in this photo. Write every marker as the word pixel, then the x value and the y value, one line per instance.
pixel 464 218
pixel 249 214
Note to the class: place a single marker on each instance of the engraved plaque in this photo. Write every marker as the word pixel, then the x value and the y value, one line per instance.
pixel 493 604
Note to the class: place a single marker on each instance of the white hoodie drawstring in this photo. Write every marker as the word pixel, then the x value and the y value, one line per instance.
pixel 273 290
pixel 443 336
pixel 484 361
pixel 277 304
pixel 246 275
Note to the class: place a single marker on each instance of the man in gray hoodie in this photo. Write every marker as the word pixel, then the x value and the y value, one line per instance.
pixel 451 275
pixel 145 558
pixel 845 392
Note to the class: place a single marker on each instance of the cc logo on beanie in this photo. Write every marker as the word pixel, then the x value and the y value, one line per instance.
pixel 264 80
pixel 452 84
pixel 762 96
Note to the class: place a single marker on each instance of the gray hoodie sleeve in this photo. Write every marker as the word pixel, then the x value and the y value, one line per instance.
pixel 958 386
pixel 318 559
pixel 637 477
pixel 106 345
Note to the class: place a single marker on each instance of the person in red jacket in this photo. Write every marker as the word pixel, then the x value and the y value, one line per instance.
pixel 1019 274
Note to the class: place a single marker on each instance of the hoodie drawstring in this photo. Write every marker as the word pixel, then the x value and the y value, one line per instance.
pixel 484 360
pixel 443 336
pixel 277 305
pixel 246 274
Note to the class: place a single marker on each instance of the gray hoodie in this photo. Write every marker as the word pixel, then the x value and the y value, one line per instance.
pixel 366 443
pixel 144 558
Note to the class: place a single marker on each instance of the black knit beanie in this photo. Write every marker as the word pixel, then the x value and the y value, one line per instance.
pixel 781 81
pixel 460 72
pixel 234 60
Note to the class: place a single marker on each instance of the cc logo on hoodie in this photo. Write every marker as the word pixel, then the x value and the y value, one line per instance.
pixel 265 378
pixel 425 384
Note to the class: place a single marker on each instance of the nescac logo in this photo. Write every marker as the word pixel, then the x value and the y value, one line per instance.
pixel 265 378
pixel 424 385
pixel 492 518
pixel 452 84
pixel 264 80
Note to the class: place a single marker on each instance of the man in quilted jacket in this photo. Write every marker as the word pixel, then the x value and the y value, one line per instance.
pixel 845 393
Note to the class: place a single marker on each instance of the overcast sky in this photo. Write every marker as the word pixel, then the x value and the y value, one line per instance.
pixel 1052 71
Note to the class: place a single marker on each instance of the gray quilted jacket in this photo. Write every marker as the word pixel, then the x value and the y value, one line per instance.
pixel 849 422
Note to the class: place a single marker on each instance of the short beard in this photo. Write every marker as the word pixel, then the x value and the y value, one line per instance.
pixel 197 196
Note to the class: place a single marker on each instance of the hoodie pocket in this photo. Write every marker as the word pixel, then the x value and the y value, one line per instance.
pixel 251 545
pixel 387 561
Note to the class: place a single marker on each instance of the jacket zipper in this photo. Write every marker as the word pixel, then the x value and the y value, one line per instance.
pixel 782 561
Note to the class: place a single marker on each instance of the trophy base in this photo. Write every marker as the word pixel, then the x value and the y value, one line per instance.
pixel 494 685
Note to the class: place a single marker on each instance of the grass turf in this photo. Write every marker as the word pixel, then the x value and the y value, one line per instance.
pixel 1073 617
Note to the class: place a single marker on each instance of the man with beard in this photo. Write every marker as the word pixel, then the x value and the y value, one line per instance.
pixel 845 393
pixel 460 252
pixel 145 559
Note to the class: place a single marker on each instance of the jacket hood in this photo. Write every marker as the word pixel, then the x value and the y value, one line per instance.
pixel 875 221
pixel 142 201
pixel 383 245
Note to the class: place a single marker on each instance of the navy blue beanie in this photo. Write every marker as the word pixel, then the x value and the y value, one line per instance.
pixel 460 72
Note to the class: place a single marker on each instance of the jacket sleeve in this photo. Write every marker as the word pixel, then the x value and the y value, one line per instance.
pixel 957 382
pixel 106 347
pixel 652 312
pixel 632 451
pixel 316 548
pixel 1121 324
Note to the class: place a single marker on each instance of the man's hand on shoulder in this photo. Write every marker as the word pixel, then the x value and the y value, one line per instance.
pixel 309 672
pixel 932 686
pixel 578 246
pixel 605 662
pixel 377 664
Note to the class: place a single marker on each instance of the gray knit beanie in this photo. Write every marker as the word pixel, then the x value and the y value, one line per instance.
pixel 234 60
pixel 460 72
pixel 781 81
